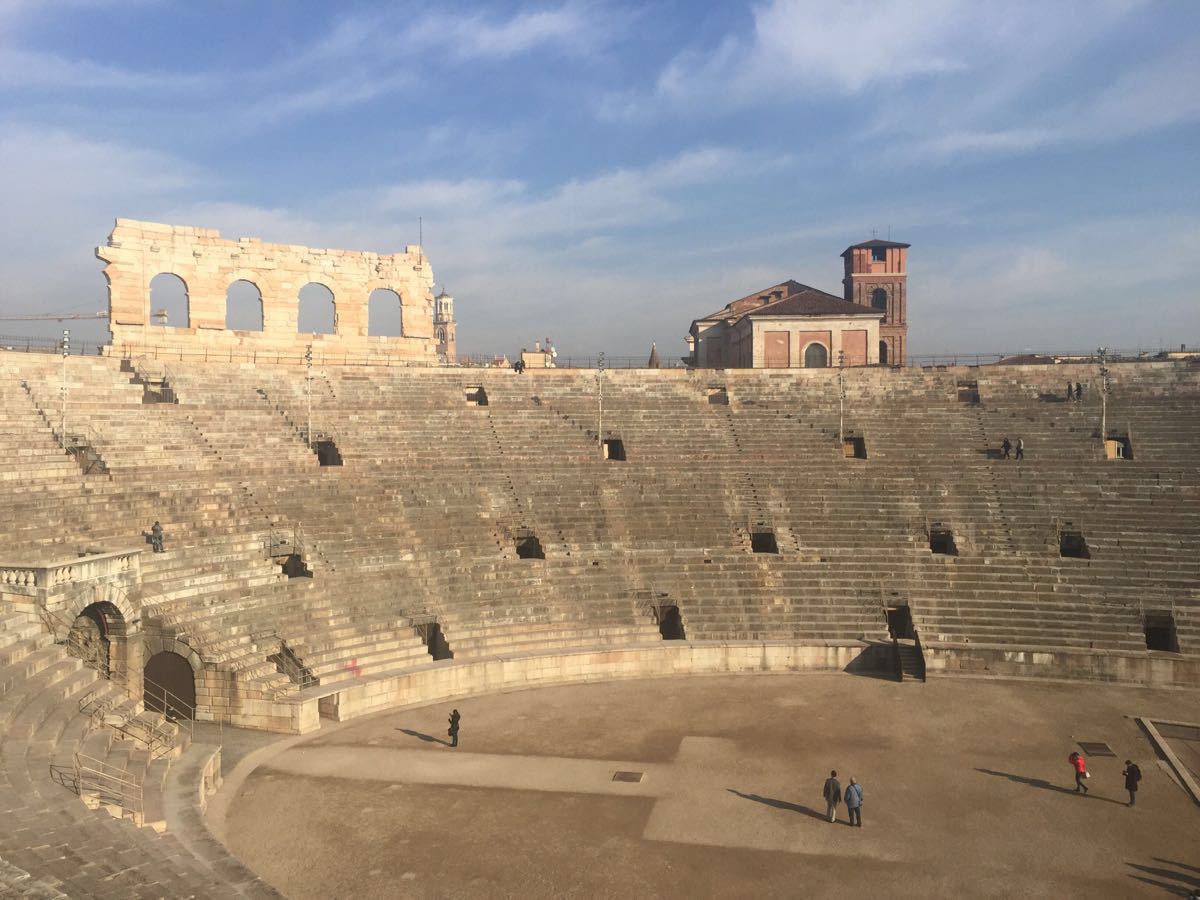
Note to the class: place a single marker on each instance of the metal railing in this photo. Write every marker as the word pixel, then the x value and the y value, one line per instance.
pixel 109 784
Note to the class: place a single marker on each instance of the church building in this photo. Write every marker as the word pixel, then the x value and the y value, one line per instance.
pixel 792 325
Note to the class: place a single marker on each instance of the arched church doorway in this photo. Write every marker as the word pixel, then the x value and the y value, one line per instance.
pixel 170 686
pixel 883 353
pixel 816 356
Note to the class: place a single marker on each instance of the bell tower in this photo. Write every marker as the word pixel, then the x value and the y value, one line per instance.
pixel 443 326
pixel 877 277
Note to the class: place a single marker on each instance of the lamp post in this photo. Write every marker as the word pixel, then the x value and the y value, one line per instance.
pixel 841 397
pixel 308 394
pixel 66 351
pixel 1103 354
pixel 600 404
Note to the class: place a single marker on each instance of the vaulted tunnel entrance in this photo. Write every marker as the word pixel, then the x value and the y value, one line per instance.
pixel 170 686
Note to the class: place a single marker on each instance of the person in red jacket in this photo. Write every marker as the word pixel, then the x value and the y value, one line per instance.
pixel 1080 766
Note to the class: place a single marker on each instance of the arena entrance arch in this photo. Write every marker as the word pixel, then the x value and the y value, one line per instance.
pixel 170 686
pixel 97 637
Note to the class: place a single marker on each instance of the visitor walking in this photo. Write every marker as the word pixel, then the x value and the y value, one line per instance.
pixel 1070 392
pixel 1005 448
pixel 833 795
pixel 854 801
pixel 453 730
pixel 156 537
pixel 1081 773
pixel 1078 392
pixel 1132 776
pixel 1020 448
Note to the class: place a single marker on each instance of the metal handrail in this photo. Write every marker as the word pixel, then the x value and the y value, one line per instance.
pixel 129 793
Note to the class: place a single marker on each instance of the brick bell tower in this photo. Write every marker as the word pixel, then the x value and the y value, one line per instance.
pixel 877 276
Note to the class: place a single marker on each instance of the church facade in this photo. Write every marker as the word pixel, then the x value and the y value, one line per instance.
pixel 793 325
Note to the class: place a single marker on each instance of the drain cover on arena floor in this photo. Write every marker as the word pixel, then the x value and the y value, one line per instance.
pixel 1096 748
pixel 627 776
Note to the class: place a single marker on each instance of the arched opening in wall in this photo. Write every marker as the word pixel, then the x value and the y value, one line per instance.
pixel 816 356
pixel 243 307
pixel 317 314
pixel 879 299
pixel 384 317
pixel 169 301
pixel 170 686
pixel 883 353
pixel 93 634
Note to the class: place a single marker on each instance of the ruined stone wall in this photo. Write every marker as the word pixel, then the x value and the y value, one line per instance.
pixel 208 264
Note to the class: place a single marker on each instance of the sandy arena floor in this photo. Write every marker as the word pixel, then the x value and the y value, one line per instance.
pixel 968 794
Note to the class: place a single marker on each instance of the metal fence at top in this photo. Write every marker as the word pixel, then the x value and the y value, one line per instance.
pixel 37 344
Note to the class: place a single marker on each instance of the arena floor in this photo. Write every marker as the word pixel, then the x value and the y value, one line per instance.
pixel 968 794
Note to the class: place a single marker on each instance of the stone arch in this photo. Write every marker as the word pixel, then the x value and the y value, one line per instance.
pixel 816 356
pixel 318 310
pixel 97 594
pixel 243 306
pixel 169 681
pixel 97 636
pixel 883 353
pixel 169 304
pixel 385 313
pixel 879 299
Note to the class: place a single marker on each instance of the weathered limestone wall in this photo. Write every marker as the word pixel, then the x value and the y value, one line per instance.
pixel 208 264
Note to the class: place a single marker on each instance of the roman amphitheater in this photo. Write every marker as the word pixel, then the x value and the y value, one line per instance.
pixel 666 602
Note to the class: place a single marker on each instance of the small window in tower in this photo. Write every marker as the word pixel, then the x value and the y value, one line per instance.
pixel 879 254
pixel 614 450
pixel 941 540
pixel 879 299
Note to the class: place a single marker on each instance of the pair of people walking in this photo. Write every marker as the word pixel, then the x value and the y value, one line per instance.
pixel 1006 448
pixel 853 795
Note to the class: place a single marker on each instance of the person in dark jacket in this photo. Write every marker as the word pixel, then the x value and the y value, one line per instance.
pixel 833 795
pixel 1006 448
pixel 1132 776
pixel 156 537
pixel 1078 391
pixel 1020 448
pixel 854 802
pixel 1080 766
pixel 1070 392
pixel 453 730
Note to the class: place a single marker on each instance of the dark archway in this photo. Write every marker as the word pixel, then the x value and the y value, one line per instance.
pixel 318 312
pixel 95 631
pixel 883 353
pixel 169 301
pixel 816 356
pixel 243 307
pixel 170 686
pixel 384 317
pixel 879 299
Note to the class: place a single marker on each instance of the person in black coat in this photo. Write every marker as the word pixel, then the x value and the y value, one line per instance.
pixel 1132 776
pixel 1006 448
pixel 832 792
pixel 453 730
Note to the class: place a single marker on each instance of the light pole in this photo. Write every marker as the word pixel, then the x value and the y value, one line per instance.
pixel 66 351
pixel 841 398
pixel 1103 353
pixel 308 394
pixel 600 404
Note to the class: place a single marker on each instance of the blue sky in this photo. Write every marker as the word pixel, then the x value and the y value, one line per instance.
pixel 602 173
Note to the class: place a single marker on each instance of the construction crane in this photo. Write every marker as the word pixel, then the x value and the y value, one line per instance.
pixel 54 317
